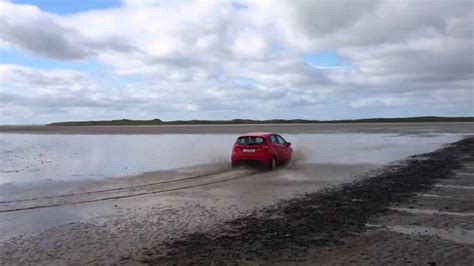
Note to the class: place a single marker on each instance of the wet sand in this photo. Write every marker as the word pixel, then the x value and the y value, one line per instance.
pixel 32 158
pixel 377 220
pixel 104 221
pixel 401 128
pixel 433 227
pixel 304 213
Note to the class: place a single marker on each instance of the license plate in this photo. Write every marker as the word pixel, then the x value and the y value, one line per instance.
pixel 248 150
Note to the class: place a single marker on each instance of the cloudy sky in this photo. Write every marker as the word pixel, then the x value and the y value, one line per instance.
pixel 144 59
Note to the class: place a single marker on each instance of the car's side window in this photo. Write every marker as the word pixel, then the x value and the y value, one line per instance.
pixel 281 140
pixel 273 139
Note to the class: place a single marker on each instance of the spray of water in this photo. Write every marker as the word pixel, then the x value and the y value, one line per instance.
pixel 298 158
pixel 220 162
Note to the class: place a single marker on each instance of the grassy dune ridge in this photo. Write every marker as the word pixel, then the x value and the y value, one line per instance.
pixel 128 122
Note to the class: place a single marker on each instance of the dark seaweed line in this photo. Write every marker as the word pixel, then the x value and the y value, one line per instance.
pixel 127 196
pixel 113 189
pixel 313 220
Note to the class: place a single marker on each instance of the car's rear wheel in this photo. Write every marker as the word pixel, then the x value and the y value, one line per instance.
pixel 272 164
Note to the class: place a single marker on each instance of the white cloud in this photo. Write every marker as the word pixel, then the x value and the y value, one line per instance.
pixel 187 55
pixel 28 28
pixel 377 101
pixel 249 45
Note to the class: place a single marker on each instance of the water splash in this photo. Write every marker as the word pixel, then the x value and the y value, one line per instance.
pixel 298 158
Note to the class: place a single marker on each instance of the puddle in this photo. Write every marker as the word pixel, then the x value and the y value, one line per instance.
pixel 452 234
pixel 45 158
pixel 433 212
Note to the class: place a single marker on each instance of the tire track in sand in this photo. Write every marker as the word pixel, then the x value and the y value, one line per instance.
pixel 126 192
pixel 112 189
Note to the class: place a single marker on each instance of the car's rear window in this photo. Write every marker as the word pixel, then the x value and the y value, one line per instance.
pixel 249 140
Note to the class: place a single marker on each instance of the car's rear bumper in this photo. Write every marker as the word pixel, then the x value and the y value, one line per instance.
pixel 261 157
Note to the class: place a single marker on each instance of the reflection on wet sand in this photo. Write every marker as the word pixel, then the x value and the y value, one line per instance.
pixel 43 158
pixel 148 189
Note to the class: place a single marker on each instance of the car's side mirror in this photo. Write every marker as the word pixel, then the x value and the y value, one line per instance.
pixel 288 144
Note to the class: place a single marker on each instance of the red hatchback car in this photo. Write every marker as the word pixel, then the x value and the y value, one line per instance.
pixel 269 149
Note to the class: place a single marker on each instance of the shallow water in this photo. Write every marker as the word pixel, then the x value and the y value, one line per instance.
pixel 34 158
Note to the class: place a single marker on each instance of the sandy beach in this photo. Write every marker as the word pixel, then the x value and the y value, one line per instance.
pixel 418 212
pixel 306 213
pixel 236 132
pixel 401 128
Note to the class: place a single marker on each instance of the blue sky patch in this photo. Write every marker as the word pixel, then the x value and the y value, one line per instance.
pixel 238 5
pixel 245 81
pixel 326 58
pixel 276 47
pixel 69 7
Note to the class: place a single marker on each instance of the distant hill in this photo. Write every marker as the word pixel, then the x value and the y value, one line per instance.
pixel 127 122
